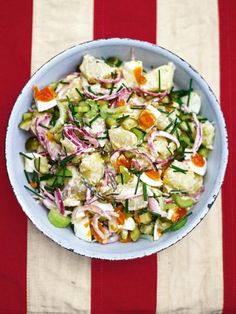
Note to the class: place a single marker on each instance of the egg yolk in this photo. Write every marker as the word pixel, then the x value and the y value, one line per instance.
pixel 179 213
pixel 139 76
pixel 198 160
pixel 121 103
pixel 153 174
pixel 146 119
pixel 123 161
pixel 45 94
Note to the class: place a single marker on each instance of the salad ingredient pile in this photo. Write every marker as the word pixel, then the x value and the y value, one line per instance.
pixel 115 151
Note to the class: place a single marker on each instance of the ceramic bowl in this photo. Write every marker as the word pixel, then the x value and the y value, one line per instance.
pixel 60 66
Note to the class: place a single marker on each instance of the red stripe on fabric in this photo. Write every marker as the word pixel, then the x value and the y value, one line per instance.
pixel 124 286
pixel 227 13
pixel 15 39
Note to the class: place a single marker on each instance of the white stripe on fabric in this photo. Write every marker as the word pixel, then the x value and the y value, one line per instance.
pixel 58 281
pixel 190 277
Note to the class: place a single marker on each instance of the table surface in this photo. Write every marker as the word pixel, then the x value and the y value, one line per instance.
pixel 198 274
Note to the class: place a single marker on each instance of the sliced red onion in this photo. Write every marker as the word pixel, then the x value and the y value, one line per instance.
pixel 137 164
pixel 160 95
pixel 168 201
pixel 48 203
pixel 71 118
pixel 59 201
pixel 88 195
pixel 155 207
pixel 52 148
pixel 94 223
pixel 198 138
pixel 162 134
pixel 113 238
pixel 92 200
pixel 47 194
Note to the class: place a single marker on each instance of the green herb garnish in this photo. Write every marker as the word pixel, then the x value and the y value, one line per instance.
pixel 177 169
pixel 145 194
pixel 34 192
pixel 189 91
pixel 128 99
pixel 179 224
pixel 22 154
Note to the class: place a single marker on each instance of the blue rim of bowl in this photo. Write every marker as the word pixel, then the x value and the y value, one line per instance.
pixel 214 192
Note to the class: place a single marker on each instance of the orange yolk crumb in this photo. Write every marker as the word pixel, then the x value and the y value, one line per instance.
pixel 180 212
pixel 45 94
pixel 139 75
pixel 123 161
pixel 153 174
pixel 198 160
pixel 121 103
pixel 146 119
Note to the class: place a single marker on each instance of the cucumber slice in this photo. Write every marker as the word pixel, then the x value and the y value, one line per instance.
pixel 129 123
pixel 41 164
pixel 204 152
pixel 27 115
pixel 139 134
pixel 145 218
pixel 32 144
pixel 113 61
pixel 110 122
pixel 63 107
pixel 25 124
pixel 135 234
pixel 182 202
pixel 125 173
pixel 147 229
pixel 58 220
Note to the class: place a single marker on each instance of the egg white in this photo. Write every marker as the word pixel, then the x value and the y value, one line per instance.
pixel 149 181
pixel 45 105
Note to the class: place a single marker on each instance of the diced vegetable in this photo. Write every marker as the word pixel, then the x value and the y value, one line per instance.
pixel 182 202
pixel 32 144
pixel 135 234
pixel 145 218
pixel 58 220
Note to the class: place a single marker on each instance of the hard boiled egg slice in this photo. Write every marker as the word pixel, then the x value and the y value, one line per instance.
pixel 129 224
pixel 196 162
pixel 152 178
pixel 156 231
pixel 132 72
pixel 45 105
pixel 82 229
pixel 156 113
pixel 45 98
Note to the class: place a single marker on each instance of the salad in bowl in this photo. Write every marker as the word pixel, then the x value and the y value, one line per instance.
pixel 115 151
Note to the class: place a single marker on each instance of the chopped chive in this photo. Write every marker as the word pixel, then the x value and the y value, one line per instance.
pixel 63 82
pixel 176 124
pixel 119 89
pixel 124 85
pixel 46 177
pixel 170 112
pixel 128 99
pixel 122 179
pixel 67 159
pixel 126 205
pixel 102 137
pixel 91 91
pixel 22 154
pixel 169 149
pixel 65 150
pixel 39 195
pixel 189 91
pixel 95 118
pixel 44 126
pixel 81 95
pixel 163 111
pixel 178 224
pixel 169 125
pixel 123 117
pixel 69 101
pixel 39 164
pixel 145 195
pixel 159 80
pixel 177 169
pixel 137 108
pixel 112 88
pixel 27 176
pixel 136 188
pixel 167 106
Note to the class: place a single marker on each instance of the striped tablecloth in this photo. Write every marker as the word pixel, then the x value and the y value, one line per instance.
pixel 198 274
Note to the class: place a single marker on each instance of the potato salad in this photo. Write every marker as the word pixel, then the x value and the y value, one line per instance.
pixel 115 151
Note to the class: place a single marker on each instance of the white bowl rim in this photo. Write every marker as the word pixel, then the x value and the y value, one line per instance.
pixel 214 192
